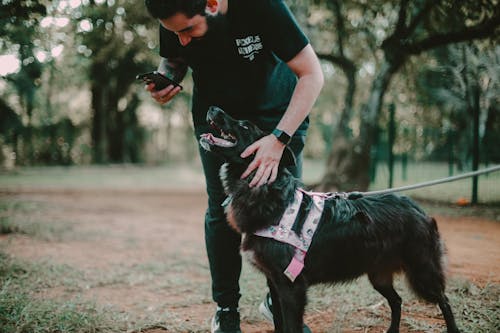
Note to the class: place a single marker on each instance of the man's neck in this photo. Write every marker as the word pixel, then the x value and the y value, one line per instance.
pixel 223 5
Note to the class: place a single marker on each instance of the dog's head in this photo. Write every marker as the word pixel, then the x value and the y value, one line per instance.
pixel 233 136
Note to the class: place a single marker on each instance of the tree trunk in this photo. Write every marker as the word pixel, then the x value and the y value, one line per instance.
pixel 99 138
pixel 348 164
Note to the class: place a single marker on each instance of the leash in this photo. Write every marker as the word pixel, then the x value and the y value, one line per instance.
pixel 433 182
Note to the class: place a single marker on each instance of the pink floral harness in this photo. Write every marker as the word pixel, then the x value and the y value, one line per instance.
pixel 301 241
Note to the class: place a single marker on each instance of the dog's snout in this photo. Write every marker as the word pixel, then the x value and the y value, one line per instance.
pixel 213 111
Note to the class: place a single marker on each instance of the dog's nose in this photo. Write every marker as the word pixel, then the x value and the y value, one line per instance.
pixel 213 111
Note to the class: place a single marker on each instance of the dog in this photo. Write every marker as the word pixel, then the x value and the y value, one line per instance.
pixel 378 235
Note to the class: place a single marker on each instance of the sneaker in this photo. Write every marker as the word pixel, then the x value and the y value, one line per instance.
pixel 226 320
pixel 266 310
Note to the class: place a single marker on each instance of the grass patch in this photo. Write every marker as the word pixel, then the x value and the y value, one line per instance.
pixel 29 218
pixel 22 310
pixel 419 172
pixel 358 305
pixel 25 306
pixel 122 176
pixel 477 308
pixel 21 314
pixel 9 208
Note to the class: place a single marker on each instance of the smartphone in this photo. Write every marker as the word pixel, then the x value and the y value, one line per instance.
pixel 160 80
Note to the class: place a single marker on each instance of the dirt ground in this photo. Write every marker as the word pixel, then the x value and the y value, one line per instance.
pixel 113 231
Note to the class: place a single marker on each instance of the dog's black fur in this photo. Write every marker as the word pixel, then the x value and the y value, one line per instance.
pixel 375 235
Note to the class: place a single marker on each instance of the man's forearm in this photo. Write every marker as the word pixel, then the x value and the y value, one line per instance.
pixel 306 92
pixel 307 68
pixel 174 68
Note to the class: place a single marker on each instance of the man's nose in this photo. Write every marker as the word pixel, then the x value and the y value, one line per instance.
pixel 184 39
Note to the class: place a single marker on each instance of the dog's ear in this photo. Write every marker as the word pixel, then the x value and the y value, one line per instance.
pixel 288 158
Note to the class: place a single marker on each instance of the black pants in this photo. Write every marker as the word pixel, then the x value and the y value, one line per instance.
pixel 222 242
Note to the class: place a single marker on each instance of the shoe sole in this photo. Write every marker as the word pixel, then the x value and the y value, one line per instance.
pixel 212 325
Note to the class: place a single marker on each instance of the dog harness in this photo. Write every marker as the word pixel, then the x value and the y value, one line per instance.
pixel 310 203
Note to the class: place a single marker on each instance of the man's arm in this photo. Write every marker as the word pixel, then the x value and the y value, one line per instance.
pixel 268 149
pixel 176 69
pixel 308 69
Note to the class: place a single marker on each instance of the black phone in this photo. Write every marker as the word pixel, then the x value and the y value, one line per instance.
pixel 160 80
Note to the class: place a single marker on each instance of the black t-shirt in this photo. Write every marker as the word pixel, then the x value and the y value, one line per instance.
pixel 240 64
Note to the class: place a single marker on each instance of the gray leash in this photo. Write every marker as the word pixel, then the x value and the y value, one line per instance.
pixel 434 182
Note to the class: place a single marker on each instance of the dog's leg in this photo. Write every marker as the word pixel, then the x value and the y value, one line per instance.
pixel 292 301
pixel 277 314
pixel 445 307
pixel 383 284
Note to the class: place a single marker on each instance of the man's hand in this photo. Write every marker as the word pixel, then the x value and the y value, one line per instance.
pixel 164 95
pixel 268 151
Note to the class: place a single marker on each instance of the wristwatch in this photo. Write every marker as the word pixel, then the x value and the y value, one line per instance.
pixel 282 136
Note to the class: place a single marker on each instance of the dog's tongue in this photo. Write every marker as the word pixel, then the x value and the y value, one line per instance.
pixel 215 140
pixel 207 136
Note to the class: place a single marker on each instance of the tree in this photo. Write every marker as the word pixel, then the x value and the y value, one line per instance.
pixel 418 27
pixel 18 26
pixel 112 35
pixel 463 82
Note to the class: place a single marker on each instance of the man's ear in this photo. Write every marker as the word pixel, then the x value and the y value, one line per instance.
pixel 212 7
pixel 288 158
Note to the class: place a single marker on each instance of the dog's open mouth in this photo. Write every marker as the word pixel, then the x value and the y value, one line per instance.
pixel 226 140
pixel 215 141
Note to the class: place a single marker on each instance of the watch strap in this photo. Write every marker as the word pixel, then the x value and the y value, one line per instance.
pixel 282 136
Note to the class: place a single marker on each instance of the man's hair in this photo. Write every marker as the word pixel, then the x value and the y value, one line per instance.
pixel 162 9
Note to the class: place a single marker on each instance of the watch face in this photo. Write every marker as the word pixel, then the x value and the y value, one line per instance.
pixel 282 136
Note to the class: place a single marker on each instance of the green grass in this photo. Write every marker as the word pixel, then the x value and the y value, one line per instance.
pixel 476 308
pixel 419 172
pixel 28 218
pixel 20 314
pixel 189 175
pixel 488 184
pixel 23 310
pixel 111 176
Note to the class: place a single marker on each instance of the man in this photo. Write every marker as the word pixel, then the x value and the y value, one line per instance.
pixel 251 59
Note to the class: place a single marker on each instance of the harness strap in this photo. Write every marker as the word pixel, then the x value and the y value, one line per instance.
pixel 286 233
pixel 304 209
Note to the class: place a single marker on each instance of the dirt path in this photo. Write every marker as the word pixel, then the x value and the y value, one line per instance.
pixel 131 248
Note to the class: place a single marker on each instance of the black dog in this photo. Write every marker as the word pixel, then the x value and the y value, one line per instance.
pixel 374 235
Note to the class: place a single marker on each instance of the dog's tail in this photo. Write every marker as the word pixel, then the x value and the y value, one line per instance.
pixel 425 263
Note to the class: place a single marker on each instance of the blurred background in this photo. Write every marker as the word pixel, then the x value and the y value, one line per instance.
pixel 411 93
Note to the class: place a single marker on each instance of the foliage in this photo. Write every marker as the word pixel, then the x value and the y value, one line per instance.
pixel 113 34
pixel 74 100
pixel 16 16
pixel 104 46
pixel 460 74
pixel 394 33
